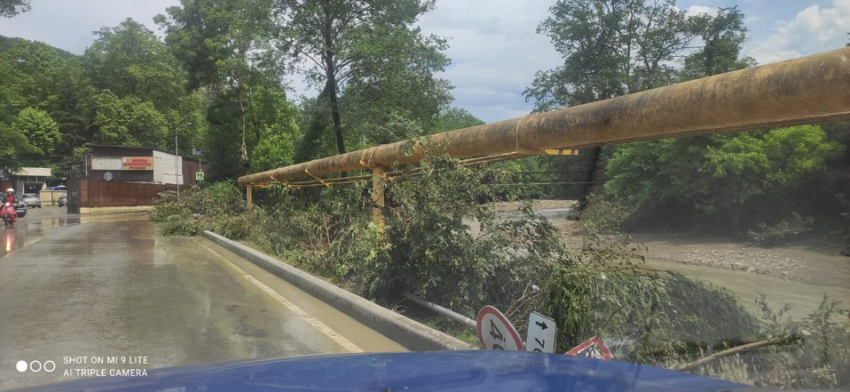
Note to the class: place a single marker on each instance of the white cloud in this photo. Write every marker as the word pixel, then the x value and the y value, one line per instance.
pixel 701 9
pixel 814 29
pixel 495 52
pixel 69 25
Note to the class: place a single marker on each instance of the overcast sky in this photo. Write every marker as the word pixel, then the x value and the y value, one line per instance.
pixel 495 49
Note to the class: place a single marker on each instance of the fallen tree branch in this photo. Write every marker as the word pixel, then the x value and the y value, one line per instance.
pixel 517 306
pixel 734 350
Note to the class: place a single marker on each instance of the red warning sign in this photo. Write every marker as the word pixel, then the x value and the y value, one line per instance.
pixel 592 348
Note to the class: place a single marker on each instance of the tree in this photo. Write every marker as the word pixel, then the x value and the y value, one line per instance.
pixel 455 118
pixel 610 48
pixel 31 73
pixel 129 60
pixel 723 36
pixel 215 40
pixel 128 121
pixel 273 120
pixel 13 148
pixel 723 175
pixel 317 140
pixel 139 94
pixel 269 116
pixel 10 8
pixel 39 129
pixel 617 47
pixel 367 42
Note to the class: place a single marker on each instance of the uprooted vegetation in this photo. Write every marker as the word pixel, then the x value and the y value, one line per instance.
pixel 429 248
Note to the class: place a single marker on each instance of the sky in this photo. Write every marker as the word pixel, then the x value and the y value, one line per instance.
pixel 494 47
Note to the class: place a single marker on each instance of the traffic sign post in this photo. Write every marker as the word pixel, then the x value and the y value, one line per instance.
pixel 592 348
pixel 199 176
pixel 495 332
pixel 542 333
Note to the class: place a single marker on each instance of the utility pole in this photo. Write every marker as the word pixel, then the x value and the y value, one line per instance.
pixel 176 172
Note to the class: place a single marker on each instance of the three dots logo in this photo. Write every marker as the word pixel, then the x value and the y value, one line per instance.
pixel 35 366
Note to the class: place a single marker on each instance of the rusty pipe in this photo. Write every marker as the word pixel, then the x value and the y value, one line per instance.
pixel 803 90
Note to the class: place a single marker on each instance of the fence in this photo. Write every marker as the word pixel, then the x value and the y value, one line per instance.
pixel 51 198
pixel 119 194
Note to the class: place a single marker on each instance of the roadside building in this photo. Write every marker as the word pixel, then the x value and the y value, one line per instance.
pixel 118 176
pixel 25 180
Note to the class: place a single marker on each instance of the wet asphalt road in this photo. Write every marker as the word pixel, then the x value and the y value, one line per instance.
pixel 109 287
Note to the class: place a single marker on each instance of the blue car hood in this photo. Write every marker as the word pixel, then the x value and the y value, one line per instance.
pixel 485 371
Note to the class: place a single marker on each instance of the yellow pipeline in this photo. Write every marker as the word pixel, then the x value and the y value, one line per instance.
pixel 805 90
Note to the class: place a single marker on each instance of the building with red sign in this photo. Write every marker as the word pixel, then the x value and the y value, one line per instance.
pixel 139 165
pixel 118 176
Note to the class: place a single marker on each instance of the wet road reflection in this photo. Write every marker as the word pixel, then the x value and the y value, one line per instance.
pixel 108 285
pixel 30 230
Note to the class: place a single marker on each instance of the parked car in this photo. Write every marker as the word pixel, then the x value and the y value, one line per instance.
pixel 63 200
pixel 21 209
pixel 32 200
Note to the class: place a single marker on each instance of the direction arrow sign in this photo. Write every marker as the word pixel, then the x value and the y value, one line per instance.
pixel 592 348
pixel 541 333
pixel 495 332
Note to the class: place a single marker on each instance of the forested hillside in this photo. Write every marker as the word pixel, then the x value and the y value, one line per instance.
pixel 216 82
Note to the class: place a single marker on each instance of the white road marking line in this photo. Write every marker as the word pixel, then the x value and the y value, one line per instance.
pixel 320 326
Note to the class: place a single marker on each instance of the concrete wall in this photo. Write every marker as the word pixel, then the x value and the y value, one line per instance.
pixel 409 333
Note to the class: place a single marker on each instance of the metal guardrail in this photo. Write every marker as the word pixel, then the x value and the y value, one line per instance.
pixel 454 316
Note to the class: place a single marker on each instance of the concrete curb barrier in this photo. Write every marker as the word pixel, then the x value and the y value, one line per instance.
pixel 113 210
pixel 409 333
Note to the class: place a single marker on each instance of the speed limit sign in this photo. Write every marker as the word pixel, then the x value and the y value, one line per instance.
pixel 495 332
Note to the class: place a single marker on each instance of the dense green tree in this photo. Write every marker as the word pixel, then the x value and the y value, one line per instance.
pixel 223 140
pixel 31 73
pixel 455 118
pixel 269 116
pixel 128 121
pixel 610 48
pixel 35 75
pixel 221 43
pixel 139 94
pixel 722 36
pixel 10 8
pixel 72 111
pixel 14 149
pixel 317 140
pixel 273 121
pixel 722 175
pixel 617 47
pixel 370 44
pixel 129 60
pixel 39 129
